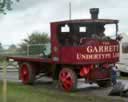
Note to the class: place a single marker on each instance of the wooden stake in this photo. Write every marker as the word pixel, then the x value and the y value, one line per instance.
pixel 4 81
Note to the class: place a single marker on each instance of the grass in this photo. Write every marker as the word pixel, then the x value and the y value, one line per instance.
pixel 20 93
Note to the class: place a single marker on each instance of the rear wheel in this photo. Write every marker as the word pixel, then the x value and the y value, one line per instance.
pixel 67 79
pixel 27 73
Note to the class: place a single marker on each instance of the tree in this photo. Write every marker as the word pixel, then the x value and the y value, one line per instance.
pixel 6 5
pixel 37 38
pixel 1 47
pixel 35 42
pixel 12 46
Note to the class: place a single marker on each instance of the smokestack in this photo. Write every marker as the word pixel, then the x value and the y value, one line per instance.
pixel 94 13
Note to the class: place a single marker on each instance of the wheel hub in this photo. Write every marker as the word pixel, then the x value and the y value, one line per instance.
pixel 66 80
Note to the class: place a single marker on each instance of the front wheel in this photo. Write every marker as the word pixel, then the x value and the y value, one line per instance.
pixel 67 79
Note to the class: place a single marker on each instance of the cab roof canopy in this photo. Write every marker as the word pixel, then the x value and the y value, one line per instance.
pixel 88 21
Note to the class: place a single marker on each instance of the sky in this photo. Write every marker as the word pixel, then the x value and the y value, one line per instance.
pixel 29 16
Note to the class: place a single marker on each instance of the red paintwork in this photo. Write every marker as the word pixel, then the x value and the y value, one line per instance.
pixel 91 73
pixel 69 54
pixel 24 74
pixel 54 41
pixel 99 74
pixel 66 80
pixel 106 66
pixel 85 70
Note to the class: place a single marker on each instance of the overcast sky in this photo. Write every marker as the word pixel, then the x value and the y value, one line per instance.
pixel 35 15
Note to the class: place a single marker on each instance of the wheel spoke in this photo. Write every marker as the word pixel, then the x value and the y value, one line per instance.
pixel 63 77
pixel 67 80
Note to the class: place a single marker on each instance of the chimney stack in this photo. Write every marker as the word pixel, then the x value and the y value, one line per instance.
pixel 94 13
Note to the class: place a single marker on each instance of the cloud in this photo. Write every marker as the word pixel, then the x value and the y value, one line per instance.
pixel 26 4
pixel 32 15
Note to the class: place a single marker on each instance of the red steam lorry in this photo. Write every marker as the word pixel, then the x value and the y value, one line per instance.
pixel 79 49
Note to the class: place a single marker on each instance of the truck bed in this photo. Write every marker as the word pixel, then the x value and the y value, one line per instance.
pixel 30 59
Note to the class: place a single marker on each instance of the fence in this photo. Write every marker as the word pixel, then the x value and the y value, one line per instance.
pixel 28 50
pixel 38 49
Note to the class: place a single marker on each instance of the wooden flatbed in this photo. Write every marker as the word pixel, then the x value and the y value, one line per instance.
pixel 30 59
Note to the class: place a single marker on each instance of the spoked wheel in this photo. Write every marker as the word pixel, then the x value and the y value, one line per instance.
pixel 27 74
pixel 67 79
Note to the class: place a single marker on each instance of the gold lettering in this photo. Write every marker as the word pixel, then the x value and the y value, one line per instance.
pixel 83 56
pixel 78 56
pixel 89 49
pixel 95 49
pixel 110 49
pixel 101 49
pixel 105 48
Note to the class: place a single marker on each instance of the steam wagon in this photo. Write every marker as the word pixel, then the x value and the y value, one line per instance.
pixel 82 48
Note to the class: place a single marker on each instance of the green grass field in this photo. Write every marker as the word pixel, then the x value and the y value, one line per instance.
pixel 20 93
